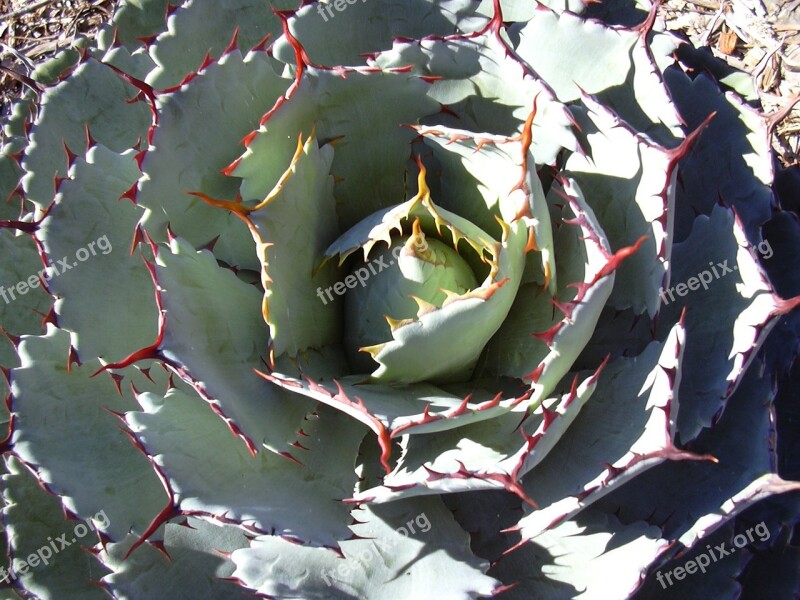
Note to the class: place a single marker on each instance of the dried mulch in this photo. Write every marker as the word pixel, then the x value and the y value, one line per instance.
pixel 760 37
pixel 31 31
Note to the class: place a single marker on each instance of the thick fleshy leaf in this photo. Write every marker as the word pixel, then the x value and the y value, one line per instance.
pixel 630 187
pixel 93 96
pixel 576 559
pixel 19 312
pixel 700 61
pixel 576 56
pixel 49 556
pixel 394 410
pixel 134 20
pixel 189 564
pixel 718 580
pixel 105 297
pixel 521 10
pixel 487 515
pixel 203 301
pixel 290 228
pixel 618 333
pixel 22 305
pixel 485 89
pixel 364 111
pixel 60 66
pixel 10 173
pixel 493 453
pixel 731 161
pixel 776 576
pixel 136 64
pixel 363 26
pixel 199 132
pixel 406 549
pixel 20 115
pixel 627 428
pixel 260 492
pixel 726 323
pixel 382 225
pixel 201 28
pixel 62 425
pixel 536 344
pixel 484 178
pixel 713 492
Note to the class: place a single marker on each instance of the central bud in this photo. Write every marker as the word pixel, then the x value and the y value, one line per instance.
pixel 397 283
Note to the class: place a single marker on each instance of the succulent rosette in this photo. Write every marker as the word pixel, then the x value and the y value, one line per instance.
pixel 394 299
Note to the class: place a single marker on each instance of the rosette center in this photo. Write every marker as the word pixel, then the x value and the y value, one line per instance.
pixel 415 273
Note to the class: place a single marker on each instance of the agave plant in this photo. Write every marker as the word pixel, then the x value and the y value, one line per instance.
pixel 395 299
